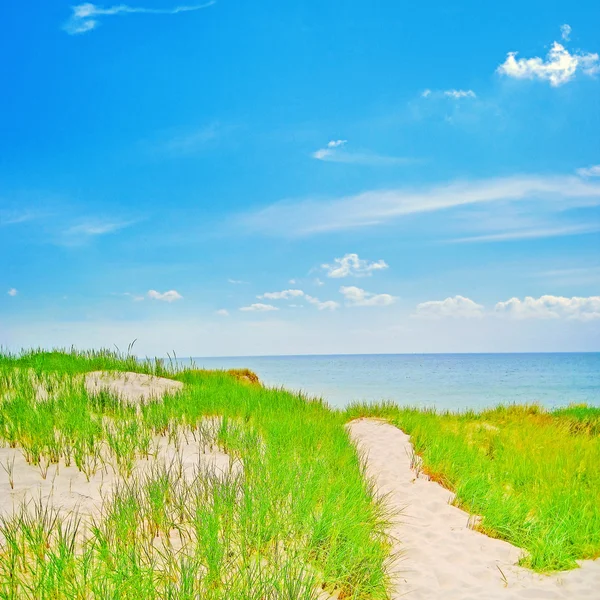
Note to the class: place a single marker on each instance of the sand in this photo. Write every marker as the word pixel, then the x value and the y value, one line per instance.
pixel 133 387
pixel 67 489
pixel 440 556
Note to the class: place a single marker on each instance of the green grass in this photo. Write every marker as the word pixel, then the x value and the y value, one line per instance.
pixel 533 475
pixel 297 517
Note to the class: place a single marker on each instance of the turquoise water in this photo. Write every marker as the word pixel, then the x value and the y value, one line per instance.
pixel 446 381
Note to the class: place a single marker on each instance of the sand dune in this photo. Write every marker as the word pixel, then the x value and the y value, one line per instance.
pixel 440 556
pixel 133 387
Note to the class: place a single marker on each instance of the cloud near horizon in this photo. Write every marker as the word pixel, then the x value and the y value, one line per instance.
pixel 551 307
pixel 84 17
pixel 259 307
pixel 455 307
pixel 544 307
pixel 290 294
pixel 356 296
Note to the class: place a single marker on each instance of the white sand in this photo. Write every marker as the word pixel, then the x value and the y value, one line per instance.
pixel 441 557
pixel 67 489
pixel 133 387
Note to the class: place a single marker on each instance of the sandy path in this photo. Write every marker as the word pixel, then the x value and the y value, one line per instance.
pixel 441 557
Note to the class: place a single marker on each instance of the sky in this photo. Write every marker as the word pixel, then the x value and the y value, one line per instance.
pixel 237 178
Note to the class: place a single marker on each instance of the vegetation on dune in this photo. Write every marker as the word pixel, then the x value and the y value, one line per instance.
pixel 293 515
pixel 531 474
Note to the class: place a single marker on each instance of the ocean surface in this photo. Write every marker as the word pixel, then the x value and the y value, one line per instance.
pixel 445 381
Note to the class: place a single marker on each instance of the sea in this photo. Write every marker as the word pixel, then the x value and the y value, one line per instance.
pixel 443 381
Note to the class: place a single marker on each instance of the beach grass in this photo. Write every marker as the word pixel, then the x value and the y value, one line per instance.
pixel 531 474
pixel 292 517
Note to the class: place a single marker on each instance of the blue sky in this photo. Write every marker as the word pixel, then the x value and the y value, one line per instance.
pixel 237 178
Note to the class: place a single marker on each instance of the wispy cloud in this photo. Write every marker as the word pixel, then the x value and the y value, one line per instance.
pixel 376 207
pixel 236 282
pixel 222 312
pixel 13 217
pixel 593 171
pixel 559 67
pixel 259 307
pixel 356 296
pixel 454 94
pixel 170 296
pixel 529 234
pixel 565 32
pixel 335 151
pixel 12 292
pixel 86 17
pixel 456 307
pixel 134 297
pixel 350 265
pixel 191 142
pixel 572 276
pixel 96 228
pixel 458 94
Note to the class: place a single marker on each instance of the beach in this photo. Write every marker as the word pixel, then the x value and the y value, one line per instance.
pixel 122 477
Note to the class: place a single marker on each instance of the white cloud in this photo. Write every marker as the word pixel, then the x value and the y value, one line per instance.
pixel 551 307
pixel 355 296
pixel 458 94
pixel 222 312
pixel 456 307
pixel 426 93
pixel 170 296
pixel 565 32
pixel 85 16
pixel 311 216
pixel 352 265
pixel 236 281
pixel 258 307
pixel 335 152
pixel 289 294
pixel 559 67
pixel 283 295
pixel 326 305
pixel 12 292
pixel 593 171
